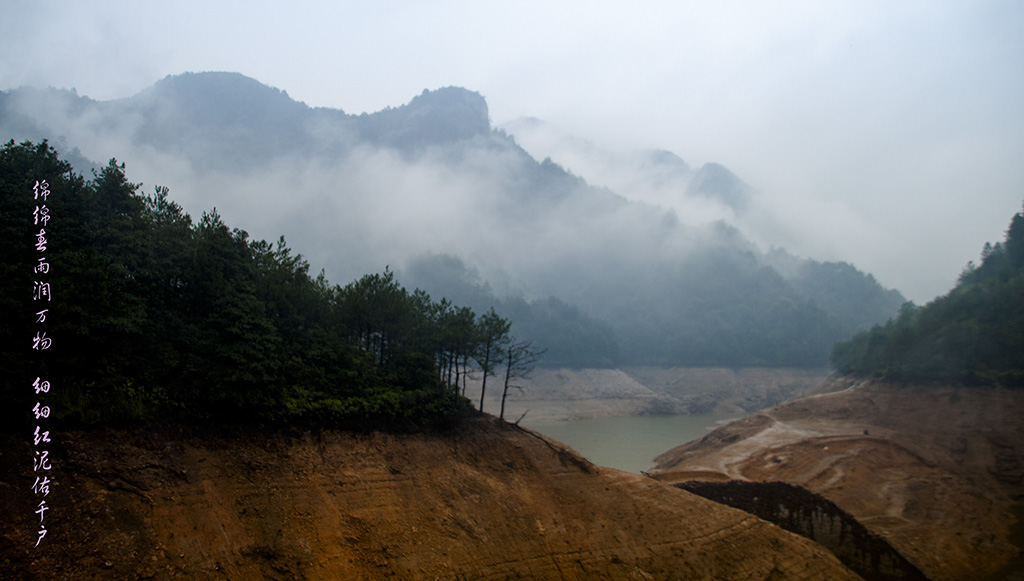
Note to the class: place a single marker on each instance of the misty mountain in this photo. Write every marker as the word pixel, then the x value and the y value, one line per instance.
pixel 714 181
pixel 610 276
pixel 654 176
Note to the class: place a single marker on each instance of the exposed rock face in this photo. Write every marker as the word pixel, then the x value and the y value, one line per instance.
pixel 935 470
pixel 488 501
pixel 810 515
pixel 445 115
pixel 560 394
pixel 728 391
pixel 557 394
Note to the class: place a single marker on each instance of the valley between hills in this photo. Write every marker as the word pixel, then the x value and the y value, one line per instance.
pixel 349 451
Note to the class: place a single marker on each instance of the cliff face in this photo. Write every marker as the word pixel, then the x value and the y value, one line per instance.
pixel 487 501
pixel 935 470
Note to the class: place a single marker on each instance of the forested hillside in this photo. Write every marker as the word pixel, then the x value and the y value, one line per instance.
pixel 133 311
pixel 973 335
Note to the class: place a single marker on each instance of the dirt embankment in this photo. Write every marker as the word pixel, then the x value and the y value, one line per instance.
pixel 559 394
pixel 487 501
pixel 811 515
pixel 935 470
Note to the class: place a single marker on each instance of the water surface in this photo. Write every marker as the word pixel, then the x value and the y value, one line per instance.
pixel 627 443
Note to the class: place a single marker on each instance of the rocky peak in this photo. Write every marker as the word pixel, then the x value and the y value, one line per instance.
pixel 435 117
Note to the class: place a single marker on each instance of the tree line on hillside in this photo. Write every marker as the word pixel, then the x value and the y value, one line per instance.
pixel 722 308
pixel 973 335
pixel 571 337
pixel 150 314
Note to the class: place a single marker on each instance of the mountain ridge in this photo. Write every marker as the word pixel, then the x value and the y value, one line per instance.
pixel 358 192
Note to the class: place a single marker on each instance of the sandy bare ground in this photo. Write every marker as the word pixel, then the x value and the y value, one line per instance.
pixel 485 501
pixel 936 469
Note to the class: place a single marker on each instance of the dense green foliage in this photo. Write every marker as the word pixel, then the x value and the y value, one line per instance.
pixel 154 315
pixel 973 335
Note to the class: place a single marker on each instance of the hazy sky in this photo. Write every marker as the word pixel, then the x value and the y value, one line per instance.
pixel 889 134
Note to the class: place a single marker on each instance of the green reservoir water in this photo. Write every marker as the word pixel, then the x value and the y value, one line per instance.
pixel 627 443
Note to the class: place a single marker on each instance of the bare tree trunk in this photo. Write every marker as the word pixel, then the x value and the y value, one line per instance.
pixel 483 390
pixel 465 372
pixel 519 364
pixel 508 377
pixel 486 371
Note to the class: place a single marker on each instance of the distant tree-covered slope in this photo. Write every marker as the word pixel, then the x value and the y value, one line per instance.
pixel 972 335
pixel 148 314
pixel 572 337
pixel 719 308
